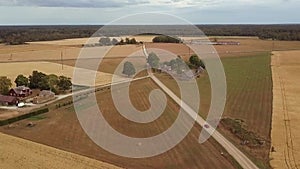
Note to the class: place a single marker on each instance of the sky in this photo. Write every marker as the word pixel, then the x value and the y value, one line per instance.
pixel 101 12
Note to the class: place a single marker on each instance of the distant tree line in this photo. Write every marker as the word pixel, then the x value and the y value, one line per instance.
pixel 275 32
pixel 165 39
pixel 15 35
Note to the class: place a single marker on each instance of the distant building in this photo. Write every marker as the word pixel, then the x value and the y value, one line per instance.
pixel 8 100
pixel 20 91
pixel 227 43
pixel 44 96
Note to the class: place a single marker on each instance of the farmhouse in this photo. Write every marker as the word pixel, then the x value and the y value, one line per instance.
pixel 44 96
pixel 8 100
pixel 20 91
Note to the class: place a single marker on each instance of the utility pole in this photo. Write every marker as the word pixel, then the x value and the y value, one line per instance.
pixel 273 44
pixel 190 48
pixel 62 60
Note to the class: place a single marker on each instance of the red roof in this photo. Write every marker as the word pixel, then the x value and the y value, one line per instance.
pixel 21 90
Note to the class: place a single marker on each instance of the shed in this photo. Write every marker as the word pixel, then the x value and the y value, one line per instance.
pixel 44 96
pixel 8 100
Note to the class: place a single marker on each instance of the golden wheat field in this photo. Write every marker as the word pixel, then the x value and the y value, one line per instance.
pixel 286 111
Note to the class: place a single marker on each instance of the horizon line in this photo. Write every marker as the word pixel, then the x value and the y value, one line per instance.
pixel 196 24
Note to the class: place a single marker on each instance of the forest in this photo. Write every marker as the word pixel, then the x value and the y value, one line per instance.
pixel 14 35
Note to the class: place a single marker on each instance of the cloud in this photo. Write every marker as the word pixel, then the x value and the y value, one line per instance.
pixel 185 3
pixel 73 3
pixel 123 3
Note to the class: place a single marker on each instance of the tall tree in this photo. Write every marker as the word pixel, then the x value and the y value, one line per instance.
pixel 132 41
pixel 64 83
pixel 195 61
pixel 105 41
pixel 153 60
pixel 5 84
pixel 53 81
pixel 39 80
pixel 127 40
pixel 114 41
pixel 21 80
pixel 128 69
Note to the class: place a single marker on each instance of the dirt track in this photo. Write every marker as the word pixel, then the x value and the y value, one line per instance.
pixel 286 110
pixel 19 153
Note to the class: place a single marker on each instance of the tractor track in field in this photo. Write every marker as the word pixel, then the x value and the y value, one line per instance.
pixel 289 155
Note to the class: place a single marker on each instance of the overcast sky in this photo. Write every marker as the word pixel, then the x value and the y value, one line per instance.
pixel 43 12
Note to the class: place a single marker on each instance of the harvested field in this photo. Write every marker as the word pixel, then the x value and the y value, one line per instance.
pixel 221 37
pixel 246 47
pixel 285 128
pixel 62 130
pixel 68 42
pixel 93 40
pixel 12 70
pixel 18 153
pixel 113 58
pixel 8 49
pixel 54 52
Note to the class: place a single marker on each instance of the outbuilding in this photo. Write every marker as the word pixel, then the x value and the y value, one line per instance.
pixel 44 96
pixel 8 100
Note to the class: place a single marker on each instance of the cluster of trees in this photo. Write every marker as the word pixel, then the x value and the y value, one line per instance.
pixel 178 64
pixel 37 80
pixel 106 41
pixel 127 41
pixel 165 39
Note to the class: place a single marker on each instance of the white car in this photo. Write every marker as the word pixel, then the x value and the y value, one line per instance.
pixel 21 104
